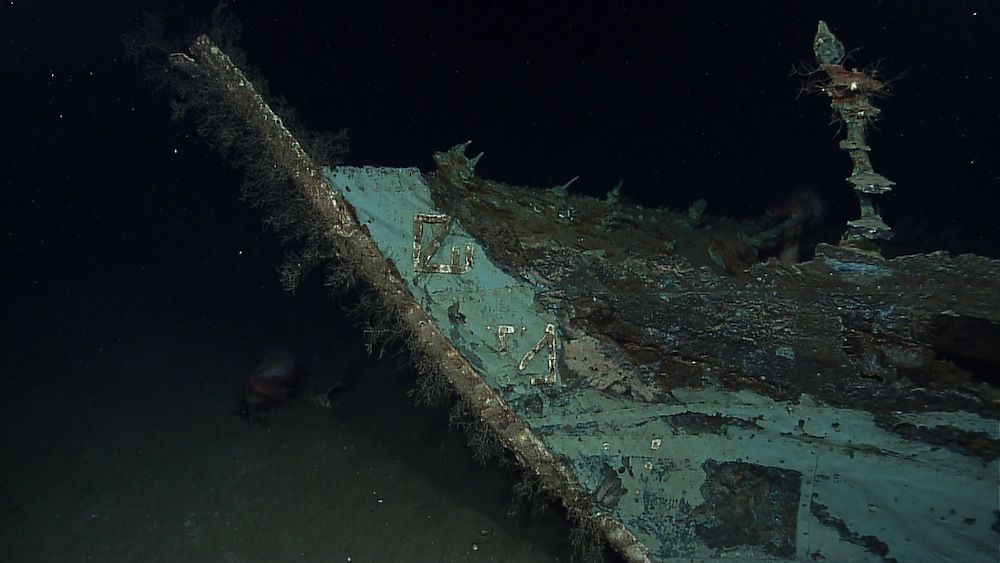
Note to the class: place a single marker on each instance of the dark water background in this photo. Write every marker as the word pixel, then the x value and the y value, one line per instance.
pixel 139 293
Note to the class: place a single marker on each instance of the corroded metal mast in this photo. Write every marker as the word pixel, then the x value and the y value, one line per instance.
pixel 850 94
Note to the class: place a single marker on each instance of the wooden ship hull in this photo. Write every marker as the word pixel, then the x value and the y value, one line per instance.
pixel 682 400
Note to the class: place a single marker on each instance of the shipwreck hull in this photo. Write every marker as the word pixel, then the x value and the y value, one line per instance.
pixel 678 398
pixel 719 445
